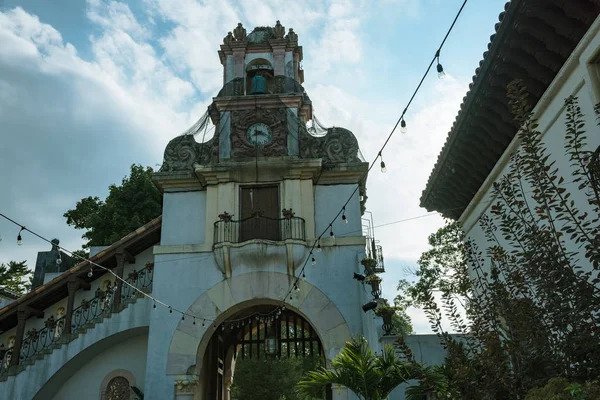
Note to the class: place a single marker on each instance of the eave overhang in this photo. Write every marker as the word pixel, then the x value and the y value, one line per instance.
pixel 533 40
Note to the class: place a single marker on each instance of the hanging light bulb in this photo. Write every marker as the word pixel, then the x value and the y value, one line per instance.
pixel 313 261
pixel 319 249
pixel 19 238
pixel 296 288
pixel 183 317
pixel 203 323
pixel 331 235
pixel 90 273
pixel 58 260
pixel 344 219
pixel 383 168
pixel 170 310
pixel 440 70
pixel 194 323
pixel 303 275
pixel 154 306
pixel 403 128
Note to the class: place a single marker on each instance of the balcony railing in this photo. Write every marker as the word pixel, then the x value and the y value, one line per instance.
pixel 375 252
pixel 259 227
pixel 37 340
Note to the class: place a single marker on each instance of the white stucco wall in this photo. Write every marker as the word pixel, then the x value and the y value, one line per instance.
pixel 129 355
pixel 576 78
pixel 184 218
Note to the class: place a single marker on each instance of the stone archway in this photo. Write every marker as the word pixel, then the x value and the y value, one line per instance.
pixel 189 342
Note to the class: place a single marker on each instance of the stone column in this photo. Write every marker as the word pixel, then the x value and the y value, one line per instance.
pixel 186 389
pixel 279 60
pixel 23 313
pixel 73 284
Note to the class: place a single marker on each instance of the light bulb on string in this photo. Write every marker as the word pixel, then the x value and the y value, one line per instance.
pixel 203 323
pixel 194 323
pixel 313 261
pixel 344 219
pixel 440 69
pixel 331 235
pixel 383 168
pixel 319 249
pixel 183 317
pixel 403 128
pixel 90 273
pixel 303 275
pixel 170 310
pixel 154 306
pixel 19 238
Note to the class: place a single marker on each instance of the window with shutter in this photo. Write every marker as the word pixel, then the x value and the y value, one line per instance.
pixel 259 213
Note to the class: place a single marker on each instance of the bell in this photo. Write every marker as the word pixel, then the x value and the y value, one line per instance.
pixel 259 84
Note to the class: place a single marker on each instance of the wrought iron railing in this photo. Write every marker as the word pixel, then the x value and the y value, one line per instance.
pixel 375 252
pixel 37 340
pixel 259 227
pixel 141 280
pixel 276 85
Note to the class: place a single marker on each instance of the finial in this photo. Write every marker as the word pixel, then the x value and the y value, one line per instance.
pixel 292 36
pixel 279 30
pixel 239 33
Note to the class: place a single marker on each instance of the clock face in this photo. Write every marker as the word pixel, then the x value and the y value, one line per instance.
pixel 259 134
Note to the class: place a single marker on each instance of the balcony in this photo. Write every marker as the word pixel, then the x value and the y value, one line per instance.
pixel 259 227
pixel 374 252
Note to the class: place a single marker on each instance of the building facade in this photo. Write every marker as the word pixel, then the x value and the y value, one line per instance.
pixel 253 255
pixel 553 48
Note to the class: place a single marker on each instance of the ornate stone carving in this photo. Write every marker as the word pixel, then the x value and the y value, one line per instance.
pixel 339 145
pixel 279 30
pixel 276 119
pixel 229 38
pixel 186 386
pixel 183 152
pixel 239 32
pixel 292 36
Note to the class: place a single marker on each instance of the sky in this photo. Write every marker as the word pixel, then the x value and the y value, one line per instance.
pixel 88 88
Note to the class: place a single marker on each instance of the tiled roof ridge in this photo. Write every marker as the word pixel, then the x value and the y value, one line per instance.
pixel 509 6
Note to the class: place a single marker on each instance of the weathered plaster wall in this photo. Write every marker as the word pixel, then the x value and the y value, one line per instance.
pixel 184 218
pixel 329 199
pixel 129 355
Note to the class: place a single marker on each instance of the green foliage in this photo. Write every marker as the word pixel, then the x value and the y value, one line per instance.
pixel 128 206
pixel 270 379
pixel 370 376
pixel 13 274
pixel 531 300
pixel 562 389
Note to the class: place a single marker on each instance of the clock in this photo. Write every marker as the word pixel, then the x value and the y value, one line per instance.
pixel 259 134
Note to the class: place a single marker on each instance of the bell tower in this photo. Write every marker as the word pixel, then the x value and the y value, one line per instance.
pixel 260 110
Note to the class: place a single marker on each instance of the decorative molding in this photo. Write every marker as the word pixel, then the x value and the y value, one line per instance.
pixel 186 386
pixel 183 152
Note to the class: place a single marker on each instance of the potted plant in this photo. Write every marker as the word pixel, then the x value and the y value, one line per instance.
pixel 375 282
pixel 369 264
pixel 387 313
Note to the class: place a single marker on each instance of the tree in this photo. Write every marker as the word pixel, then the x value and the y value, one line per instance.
pixel 269 379
pixel 370 376
pixel 12 276
pixel 132 204
pixel 534 288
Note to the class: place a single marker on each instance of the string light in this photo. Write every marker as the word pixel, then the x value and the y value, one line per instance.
pixel 194 323
pixel 313 261
pixel 319 249
pixel 383 168
pixel 440 69
pixel 331 235
pixel 19 238
pixel 403 128
pixel 344 219
pixel 183 317
pixel 154 306
pixel 170 310
pixel 304 275
pixel 90 273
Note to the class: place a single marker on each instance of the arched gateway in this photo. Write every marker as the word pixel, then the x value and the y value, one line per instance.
pixel 248 230
pixel 252 325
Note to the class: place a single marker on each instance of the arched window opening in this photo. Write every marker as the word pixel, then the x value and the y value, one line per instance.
pixel 118 389
pixel 259 77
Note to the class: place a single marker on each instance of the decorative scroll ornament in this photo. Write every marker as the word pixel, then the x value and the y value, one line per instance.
pixel 279 30
pixel 183 152
pixel 292 36
pixel 50 323
pixel 239 32
pixel 339 145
